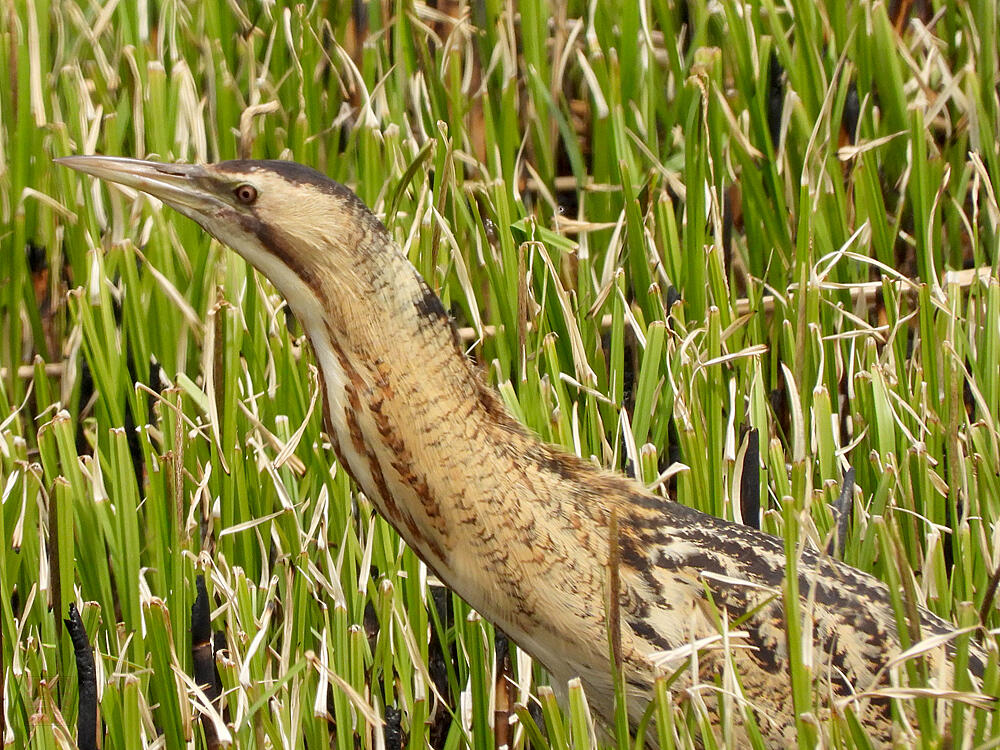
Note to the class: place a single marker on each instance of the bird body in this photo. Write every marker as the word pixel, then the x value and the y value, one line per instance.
pixel 520 529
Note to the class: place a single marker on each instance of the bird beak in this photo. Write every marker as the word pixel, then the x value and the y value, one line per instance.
pixel 180 186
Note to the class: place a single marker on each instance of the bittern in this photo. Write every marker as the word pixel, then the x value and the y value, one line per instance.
pixel 516 527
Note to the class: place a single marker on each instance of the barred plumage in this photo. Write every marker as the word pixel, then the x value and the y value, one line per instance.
pixel 516 527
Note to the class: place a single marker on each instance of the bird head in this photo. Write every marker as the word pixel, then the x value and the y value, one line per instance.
pixel 311 236
pixel 291 222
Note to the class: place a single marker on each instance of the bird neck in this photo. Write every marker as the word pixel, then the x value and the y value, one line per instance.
pixel 425 439
pixel 514 526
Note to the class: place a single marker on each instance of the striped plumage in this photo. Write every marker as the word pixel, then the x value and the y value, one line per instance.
pixel 518 528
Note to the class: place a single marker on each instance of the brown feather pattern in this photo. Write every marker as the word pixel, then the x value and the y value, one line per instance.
pixel 519 528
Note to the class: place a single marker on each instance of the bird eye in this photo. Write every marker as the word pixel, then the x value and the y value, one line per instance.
pixel 245 194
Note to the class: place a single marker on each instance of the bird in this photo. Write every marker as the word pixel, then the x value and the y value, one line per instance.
pixel 533 537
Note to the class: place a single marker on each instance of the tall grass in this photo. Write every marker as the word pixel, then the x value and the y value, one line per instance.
pixel 816 183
